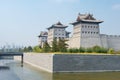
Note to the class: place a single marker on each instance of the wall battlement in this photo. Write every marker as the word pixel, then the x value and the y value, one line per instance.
pixel 114 36
pixel 110 36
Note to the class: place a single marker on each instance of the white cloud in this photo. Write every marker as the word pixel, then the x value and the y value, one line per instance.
pixel 61 1
pixel 116 7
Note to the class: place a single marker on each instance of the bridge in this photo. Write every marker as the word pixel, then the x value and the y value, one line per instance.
pixel 13 54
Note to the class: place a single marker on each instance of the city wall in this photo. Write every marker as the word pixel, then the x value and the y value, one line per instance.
pixel 110 41
pixel 73 62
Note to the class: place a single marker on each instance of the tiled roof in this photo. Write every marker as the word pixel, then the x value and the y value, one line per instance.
pixel 43 33
pixel 57 25
pixel 86 18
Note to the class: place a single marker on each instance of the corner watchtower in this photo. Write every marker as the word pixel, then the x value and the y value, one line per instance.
pixel 56 31
pixel 86 31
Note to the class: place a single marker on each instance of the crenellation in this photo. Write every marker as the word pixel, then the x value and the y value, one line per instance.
pixel 113 36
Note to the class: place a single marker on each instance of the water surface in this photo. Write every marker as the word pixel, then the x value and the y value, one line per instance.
pixel 27 72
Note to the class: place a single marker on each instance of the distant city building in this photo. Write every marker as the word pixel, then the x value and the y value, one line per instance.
pixel 86 33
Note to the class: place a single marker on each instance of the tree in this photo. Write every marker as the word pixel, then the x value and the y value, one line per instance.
pixel 37 49
pixel 30 49
pixel 25 49
pixel 46 47
pixel 62 46
pixel 20 50
pixel 54 45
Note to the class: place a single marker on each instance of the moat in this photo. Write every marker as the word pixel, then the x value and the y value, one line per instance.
pixel 16 72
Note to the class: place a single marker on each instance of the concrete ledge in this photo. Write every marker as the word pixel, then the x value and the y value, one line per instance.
pixel 73 62
pixel 43 60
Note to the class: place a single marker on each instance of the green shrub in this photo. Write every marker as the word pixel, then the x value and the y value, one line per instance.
pixel 103 50
pixel 70 50
pixel 89 50
pixel 97 49
pixel 73 50
pixel 81 50
pixel 37 49
pixel 111 51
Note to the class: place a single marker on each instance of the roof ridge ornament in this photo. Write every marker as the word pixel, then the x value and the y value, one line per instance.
pixel 58 23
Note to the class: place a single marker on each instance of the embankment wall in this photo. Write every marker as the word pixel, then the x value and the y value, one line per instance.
pixel 73 62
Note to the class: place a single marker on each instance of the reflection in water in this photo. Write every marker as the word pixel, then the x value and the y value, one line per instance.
pixel 30 73
pixel 87 76
pixel 4 68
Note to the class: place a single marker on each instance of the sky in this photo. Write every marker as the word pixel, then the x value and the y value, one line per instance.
pixel 21 21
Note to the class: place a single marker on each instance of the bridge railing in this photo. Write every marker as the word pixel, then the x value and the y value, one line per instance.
pixel 12 54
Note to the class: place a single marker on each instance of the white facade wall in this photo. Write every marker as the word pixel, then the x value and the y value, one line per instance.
pixel 59 33
pixel 75 40
pixel 110 41
pixel 90 35
pixel 90 42
pixel 85 35
pixel 56 33
pixel 104 40
pixel 114 42
pixel 50 36
pixel 42 40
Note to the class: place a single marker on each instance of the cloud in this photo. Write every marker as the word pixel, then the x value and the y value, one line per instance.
pixel 116 7
pixel 62 1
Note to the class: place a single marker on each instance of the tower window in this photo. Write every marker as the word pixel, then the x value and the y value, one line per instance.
pixel 96 32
